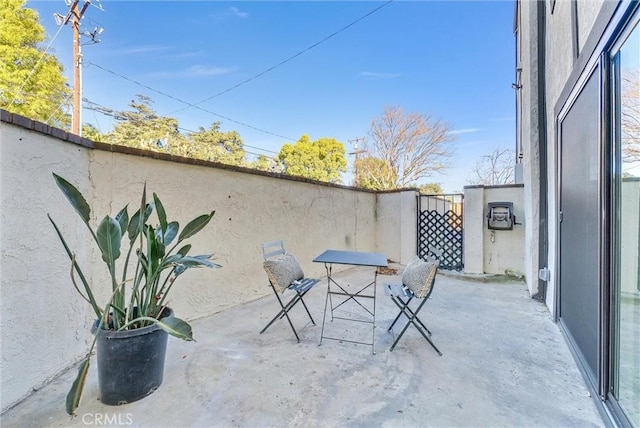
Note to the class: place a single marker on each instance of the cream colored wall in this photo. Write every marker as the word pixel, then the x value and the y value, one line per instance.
pixel 398 229
pixel 44 324
pixel 493 251
pixel 44 318
pixel 504 249
pixel 473 225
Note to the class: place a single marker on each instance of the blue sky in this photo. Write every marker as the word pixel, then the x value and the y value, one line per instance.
pixel 453 60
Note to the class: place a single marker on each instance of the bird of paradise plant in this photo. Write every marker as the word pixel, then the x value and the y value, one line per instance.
pixel 139 290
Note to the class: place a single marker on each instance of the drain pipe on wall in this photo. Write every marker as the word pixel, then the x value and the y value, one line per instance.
pixel 543 238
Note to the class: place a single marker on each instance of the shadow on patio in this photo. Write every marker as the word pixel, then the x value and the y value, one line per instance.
pixel 504 363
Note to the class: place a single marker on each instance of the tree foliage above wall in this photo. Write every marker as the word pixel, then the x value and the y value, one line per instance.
pixel 323 159
pixel 32 83
pixel 406 148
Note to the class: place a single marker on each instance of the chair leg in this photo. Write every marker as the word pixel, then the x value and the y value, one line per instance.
pixel 284 312
pixel 413 319
pixel 410 313
pixel 402 309
pixel 305 306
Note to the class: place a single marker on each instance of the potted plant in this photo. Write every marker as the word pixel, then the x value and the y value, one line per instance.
pixel 132 324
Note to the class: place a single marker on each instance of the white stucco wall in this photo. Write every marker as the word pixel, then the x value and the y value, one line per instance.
pixel 504 249
pixel 42 315
pixel 43 321
pixel 473 225
pixel 397 212
pixel 493 251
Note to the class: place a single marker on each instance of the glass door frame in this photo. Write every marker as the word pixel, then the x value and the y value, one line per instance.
pixel 612 281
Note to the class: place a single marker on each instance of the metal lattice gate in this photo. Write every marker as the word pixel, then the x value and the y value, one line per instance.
pixel 440 226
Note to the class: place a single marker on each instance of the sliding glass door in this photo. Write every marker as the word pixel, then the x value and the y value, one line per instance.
pixel 625 358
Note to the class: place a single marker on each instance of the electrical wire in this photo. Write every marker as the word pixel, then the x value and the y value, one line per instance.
pixel 262 73
pixel 58 108
pixel 243 144
pixel 94 107
pixel 189 104
pixel 33 70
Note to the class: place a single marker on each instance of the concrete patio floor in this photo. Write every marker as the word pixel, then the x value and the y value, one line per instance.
pixel 504 364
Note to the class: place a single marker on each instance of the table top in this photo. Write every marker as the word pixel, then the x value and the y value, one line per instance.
pixel 352 258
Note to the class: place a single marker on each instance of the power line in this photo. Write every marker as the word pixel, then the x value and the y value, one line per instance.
pixel 243 144
pixel 262 73
pixel 33 70
pixel 189 104
pixel 95 107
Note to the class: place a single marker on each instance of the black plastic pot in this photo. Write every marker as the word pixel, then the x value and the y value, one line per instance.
pixel 130 363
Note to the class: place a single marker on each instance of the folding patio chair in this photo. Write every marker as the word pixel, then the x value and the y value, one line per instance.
pixel 284 273
pixel 418 279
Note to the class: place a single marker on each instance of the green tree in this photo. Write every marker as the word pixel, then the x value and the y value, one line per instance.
pixel 266 163
pixel 142 128
pixel 431 189
pixel 216 146
pixel 323 159
pixel 373 173
pixel 413 146
pixel 32 83
pixel 90 132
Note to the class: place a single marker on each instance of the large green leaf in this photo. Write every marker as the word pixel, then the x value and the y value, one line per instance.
pixel 198 261
pixel 123 219
pixel 75 197
pixel 162 216
pixel 195 226
pixel 85 283
pixel 109 236
pixel 134 224
pixel 176 327
pixel 172 325
pixel 75 393
pixel 185 250
pixel 171 232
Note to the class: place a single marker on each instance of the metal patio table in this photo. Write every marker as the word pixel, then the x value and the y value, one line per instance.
pixel 363 293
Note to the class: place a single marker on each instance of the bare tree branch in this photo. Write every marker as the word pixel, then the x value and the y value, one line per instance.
pixel 494 169
pixel 411 145
pixel 630 115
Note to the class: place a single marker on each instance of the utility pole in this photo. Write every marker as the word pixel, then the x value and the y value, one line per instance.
pixel 356 152
pixel 75 15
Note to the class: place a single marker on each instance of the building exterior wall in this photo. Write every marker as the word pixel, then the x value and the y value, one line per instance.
pixel 529 136
pixel 553 74
pixel 38 303
pixel 576 35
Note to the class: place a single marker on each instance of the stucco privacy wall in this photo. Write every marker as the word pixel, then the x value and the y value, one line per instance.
pixel 42 316
pixel 493 251
pixel 396 215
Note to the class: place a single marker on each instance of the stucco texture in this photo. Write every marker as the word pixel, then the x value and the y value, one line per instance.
pixel 45 323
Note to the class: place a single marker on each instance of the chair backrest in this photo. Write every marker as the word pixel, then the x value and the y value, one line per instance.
pixel 272 249
pixel 419 276
pixel 282 267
